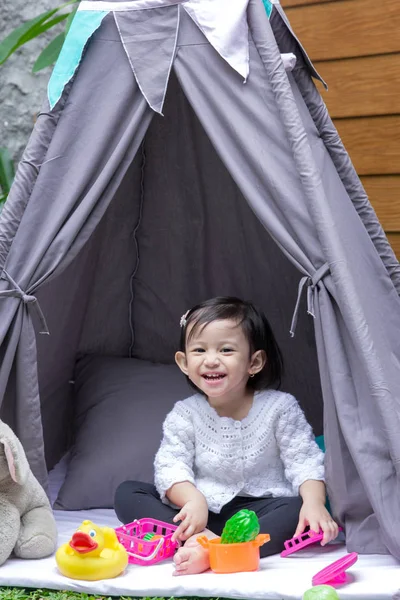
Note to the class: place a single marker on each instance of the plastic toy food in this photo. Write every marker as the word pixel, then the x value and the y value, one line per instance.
pixel 151 536
pixel 233 558
pixel 92 553
pixel 321 592
pixel 147 541
pixel 242 527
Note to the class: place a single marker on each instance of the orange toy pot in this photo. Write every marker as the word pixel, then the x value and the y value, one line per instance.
pixel 234 558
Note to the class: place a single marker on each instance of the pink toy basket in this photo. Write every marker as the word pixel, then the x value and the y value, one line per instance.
pixel 147 552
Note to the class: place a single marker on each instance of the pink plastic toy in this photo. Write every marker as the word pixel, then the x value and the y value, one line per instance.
pixel 302 541
pixel 147 552
pixel 335 573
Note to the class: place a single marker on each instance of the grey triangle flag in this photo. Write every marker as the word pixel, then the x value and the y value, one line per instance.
pixel 149 38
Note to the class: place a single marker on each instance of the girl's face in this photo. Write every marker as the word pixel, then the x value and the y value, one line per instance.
pixel 218 361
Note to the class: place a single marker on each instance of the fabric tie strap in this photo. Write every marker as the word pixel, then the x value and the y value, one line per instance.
pixel 311 283
pixel 27 299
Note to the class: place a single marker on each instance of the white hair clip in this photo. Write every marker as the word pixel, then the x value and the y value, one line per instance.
pixel 182 322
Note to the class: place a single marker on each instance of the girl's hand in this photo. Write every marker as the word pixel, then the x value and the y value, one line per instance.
pixel 315 515
pixel 193 517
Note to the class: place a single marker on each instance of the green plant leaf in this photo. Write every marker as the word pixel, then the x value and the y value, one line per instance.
pixel 47 25
pixel 7 171
pixel 24 33
pixel 49 55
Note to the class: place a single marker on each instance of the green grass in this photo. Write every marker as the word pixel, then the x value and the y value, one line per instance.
pixel 21 594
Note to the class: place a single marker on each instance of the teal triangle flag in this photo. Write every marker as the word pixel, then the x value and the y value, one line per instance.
pixel 321 444
pixel 82 28
pixel 268 7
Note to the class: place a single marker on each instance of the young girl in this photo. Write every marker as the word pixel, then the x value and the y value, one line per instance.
pixel 237 443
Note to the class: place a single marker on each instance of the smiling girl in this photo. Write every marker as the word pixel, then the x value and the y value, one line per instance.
pixel 236 443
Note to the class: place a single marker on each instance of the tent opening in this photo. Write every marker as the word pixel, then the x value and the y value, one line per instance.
pixel 177 232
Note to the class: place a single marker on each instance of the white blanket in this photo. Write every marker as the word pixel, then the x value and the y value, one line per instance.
pixel 372 577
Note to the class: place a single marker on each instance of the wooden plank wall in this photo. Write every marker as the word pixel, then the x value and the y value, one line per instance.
pixel 355 45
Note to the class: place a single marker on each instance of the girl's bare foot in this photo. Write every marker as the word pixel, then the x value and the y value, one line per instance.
pixel 191 558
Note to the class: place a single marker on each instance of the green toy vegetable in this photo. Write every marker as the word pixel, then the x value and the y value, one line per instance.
pixel 321 592
pixel 242 527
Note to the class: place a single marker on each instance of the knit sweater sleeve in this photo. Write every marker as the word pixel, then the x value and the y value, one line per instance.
pixel 174 460
pixel 300 454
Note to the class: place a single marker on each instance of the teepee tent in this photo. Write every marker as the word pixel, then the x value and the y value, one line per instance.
pixel 183 151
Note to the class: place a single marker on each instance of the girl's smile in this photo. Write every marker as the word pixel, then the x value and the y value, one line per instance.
pixel 213 380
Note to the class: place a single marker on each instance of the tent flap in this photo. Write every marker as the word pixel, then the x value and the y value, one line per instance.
pixel 28 169
pixel 63 212
pixel 357 341
pixel 347 173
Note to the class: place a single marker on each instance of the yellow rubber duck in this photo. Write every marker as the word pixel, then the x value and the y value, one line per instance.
pixel 92 553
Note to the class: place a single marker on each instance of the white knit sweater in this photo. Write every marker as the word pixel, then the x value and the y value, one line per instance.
pixel 271 452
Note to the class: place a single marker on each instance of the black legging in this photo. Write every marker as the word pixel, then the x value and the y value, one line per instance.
pixel 277 516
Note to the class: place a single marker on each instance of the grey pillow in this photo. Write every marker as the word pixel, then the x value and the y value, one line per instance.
pixel 121 404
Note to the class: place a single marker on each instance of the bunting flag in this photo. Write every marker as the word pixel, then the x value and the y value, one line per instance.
pixel 268 7
pixel 82 28
pixel 149 30
pixel 149 38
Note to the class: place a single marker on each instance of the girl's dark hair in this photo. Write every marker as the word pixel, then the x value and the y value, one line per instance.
pixel 256 329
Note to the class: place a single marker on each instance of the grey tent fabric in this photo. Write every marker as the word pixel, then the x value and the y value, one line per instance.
pixel 61 215
pixel 29 167
pixel 358 344
pixel 270 141
pixel 337 151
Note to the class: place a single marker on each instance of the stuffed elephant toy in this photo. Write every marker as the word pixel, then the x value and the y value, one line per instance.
pixel 27 525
